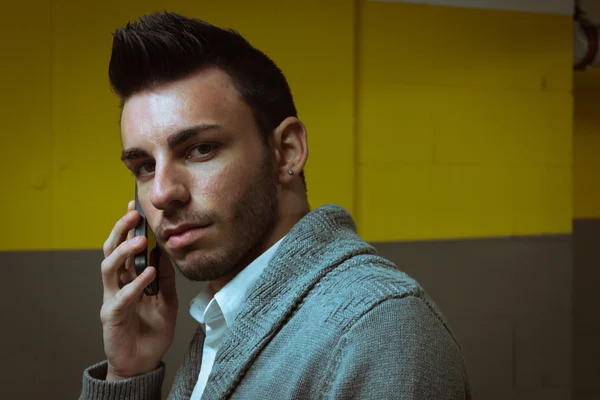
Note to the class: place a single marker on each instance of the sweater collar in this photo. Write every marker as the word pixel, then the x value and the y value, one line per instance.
pixel 321 240
pixel 227 301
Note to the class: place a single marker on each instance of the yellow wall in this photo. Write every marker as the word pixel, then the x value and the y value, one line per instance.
pixel 464 122
pixel 25 141
pixel 586 145
pixel 424 121
pixel 64 184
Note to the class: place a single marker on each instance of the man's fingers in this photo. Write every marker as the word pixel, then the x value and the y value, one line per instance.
pixel 129 263
pixel 132 291
pixel 116 260
pixel 126 276
pixel 120 231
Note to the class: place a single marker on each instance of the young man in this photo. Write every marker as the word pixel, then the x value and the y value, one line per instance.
pixel 292 303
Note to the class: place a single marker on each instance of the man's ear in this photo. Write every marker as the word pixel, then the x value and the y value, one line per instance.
pixel 291 149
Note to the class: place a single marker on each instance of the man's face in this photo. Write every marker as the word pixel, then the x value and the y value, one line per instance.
pixel 205 179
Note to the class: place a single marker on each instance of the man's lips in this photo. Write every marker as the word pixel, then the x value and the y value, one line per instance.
pixel 184 235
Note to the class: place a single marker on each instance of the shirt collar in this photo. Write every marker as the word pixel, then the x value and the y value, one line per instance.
pixel 230 298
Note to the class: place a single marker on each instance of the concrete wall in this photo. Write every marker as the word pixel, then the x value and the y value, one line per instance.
pixel 586 319
pixel 508 300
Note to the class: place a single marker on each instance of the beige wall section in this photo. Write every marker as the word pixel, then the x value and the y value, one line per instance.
pixel 586 145
pixel 66 186
pixel 464 122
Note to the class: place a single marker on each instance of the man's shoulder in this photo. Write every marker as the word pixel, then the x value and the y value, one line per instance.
pixel 361 283
pixel 372 277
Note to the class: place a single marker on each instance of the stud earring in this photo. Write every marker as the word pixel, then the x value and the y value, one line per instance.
pixel 290 172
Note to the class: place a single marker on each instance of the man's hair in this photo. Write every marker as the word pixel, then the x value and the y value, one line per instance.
pixel 164 47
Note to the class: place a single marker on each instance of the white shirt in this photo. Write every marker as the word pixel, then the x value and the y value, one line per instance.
pixel 216 313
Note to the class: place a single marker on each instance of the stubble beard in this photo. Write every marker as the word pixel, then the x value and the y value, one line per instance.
pixel 254 218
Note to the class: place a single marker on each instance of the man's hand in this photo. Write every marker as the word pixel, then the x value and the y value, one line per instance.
pixel 137 329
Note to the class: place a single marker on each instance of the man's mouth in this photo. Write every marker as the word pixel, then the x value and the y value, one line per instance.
pixel 184 235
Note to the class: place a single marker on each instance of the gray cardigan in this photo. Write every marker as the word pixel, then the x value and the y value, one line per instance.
pixel 327 319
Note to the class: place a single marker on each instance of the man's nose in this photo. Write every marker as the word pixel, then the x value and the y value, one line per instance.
pixel 168 187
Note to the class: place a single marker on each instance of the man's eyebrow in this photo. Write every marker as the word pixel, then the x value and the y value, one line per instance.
pixel 182 136
pixel 173 141
pixel 133 154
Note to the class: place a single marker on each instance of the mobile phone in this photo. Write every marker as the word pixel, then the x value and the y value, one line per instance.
pixel 148 256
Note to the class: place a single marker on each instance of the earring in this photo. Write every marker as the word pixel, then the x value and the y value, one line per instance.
pixel 290 172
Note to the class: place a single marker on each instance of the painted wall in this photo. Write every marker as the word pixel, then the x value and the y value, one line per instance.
pixel 464 122
pixel 462 128
pixel 66 186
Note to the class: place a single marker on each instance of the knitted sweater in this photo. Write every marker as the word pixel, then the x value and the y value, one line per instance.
pixel 327 319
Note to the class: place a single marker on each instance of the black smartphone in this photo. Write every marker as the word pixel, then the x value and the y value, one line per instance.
pixel 149 256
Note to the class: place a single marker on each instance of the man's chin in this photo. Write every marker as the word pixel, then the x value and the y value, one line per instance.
pixel 200 265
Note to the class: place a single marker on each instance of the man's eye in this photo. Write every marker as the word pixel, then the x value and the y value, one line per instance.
pixel 202 150
pixel 144 169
